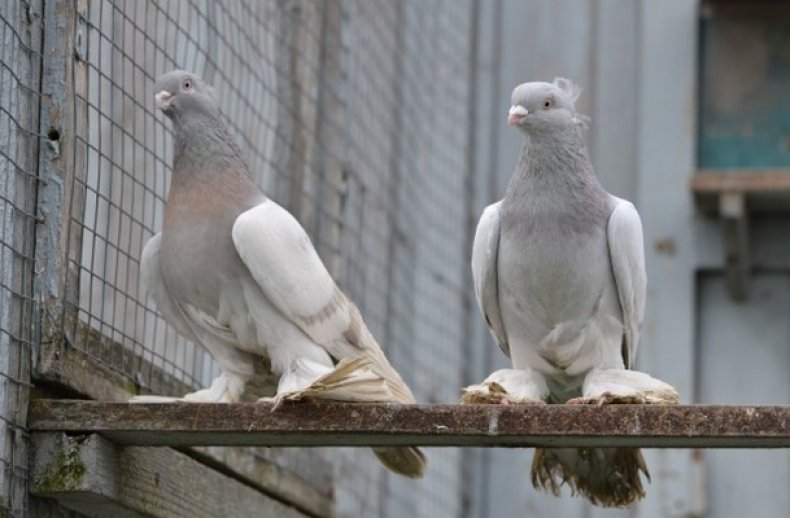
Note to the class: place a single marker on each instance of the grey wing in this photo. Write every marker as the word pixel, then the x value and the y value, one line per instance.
pixel 189 322
pixel 484 273
pixel 627 253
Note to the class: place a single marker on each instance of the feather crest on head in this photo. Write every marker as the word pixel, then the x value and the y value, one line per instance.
pixel 572 91
pixel 567 87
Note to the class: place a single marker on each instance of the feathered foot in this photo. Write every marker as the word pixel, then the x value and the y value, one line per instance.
pixel 607 398
pixel 492 393
pixel 608 477
pixel 507 387
pixel 352 380
pixel 617 386
pixel 225 388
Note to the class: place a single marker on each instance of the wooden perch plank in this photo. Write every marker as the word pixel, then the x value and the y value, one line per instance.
pixel 716 181
pixel 766 190
pixel 88 474
pixel 339 424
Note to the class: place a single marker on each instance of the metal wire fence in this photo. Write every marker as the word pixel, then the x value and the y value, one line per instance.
pixel 353 114
pixel 20 60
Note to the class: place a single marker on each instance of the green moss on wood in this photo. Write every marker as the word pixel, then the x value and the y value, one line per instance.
pixel 65 471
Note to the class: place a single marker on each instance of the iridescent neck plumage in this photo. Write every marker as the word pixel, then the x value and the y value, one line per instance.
pixel 203 143
pixel 555 159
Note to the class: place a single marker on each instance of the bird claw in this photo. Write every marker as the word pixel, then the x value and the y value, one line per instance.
pixel 492 393
pixel 607 398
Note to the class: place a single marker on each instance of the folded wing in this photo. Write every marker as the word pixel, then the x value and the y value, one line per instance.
pixel 484 273
pixel 627 253
pixel 284 264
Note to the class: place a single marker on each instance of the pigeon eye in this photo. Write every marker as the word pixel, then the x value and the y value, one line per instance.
pixel 187 84
pixel 548 103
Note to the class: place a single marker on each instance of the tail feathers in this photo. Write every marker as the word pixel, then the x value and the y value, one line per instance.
pixel 359 341
pixel 353 379
pixel 407 460
pixel 608 477
pixel 350 380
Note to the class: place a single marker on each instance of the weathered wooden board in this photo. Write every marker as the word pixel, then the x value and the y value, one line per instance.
pixel 90 475
pixel 339 424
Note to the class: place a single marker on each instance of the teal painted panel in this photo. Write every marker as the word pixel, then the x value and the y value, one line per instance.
pixel 745 93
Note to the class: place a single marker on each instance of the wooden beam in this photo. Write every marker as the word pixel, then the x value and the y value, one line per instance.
pixel 63 368
pixel 339 424
pixel 90 475
pixel 752 180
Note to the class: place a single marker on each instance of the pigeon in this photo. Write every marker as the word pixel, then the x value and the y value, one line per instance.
pixel 559 275
pixel 236 273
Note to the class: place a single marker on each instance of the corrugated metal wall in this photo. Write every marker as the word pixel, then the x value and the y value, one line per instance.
pixel 639 65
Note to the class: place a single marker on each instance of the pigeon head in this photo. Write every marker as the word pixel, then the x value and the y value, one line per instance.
pixel 540 107
pixel 179 93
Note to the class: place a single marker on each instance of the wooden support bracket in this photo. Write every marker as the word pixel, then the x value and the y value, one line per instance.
pixel 90 475
pixel 341 424
pixel 737 253
pixel 733 195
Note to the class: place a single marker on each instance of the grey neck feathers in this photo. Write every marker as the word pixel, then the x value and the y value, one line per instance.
pixel 202 145
pixel 554 186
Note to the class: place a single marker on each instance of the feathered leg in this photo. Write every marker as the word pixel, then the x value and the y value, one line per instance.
pixel 603 386
pixel 508 386
pixel 226 388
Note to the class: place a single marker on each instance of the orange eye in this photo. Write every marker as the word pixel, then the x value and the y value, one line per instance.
pixel 187 84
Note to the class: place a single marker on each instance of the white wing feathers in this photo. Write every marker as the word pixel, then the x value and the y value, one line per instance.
pixel 484 273
pixel 626 249
pixel 284 263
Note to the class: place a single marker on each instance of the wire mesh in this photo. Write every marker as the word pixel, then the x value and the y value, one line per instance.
pixel 20 62
pixel 354 115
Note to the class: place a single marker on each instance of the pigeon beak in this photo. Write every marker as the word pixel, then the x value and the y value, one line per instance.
pixel 163 99
pixel 516 114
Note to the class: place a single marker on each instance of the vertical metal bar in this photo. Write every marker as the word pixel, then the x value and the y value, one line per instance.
pixel 471 459
pixel 396 175
pixel 296 155
pixel 327 224
pixel 485 467
pixel 496 86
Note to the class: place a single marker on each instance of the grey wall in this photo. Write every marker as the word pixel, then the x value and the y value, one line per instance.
pixel 637 63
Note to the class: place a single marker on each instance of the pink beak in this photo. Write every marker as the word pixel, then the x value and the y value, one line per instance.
pixel 516 115
pixel 163 99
